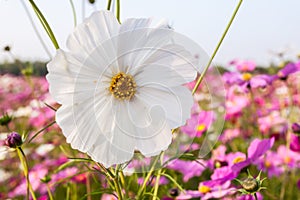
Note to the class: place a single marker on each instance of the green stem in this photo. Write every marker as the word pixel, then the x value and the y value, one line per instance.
pixel 217 48
pixel 118 188
pixel 156 184
pixel 49 193
pixel 24 163
pixel 118 11
pixel 44 23
pixel 141 190
pixel 122 179
pixel 74 12
pixel 108 5
pixel 37 133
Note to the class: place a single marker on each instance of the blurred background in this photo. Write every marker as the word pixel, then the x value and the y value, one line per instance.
pixel 262 30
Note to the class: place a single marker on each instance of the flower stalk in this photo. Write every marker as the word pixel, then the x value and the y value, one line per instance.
pixel 24 163
pixel 44 23
pixel 217 48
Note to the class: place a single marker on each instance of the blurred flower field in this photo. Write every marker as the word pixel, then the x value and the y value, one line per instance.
pixel 261 133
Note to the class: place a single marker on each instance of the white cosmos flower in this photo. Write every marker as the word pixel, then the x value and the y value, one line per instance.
pixel 121 87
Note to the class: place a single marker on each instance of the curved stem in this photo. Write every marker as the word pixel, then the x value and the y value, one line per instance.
pixel 24 163
pixel 35 30
pixel 74 12
pixel 141 190
pixel 118 11
pixel 37 133
pixel 44 23
pixel 108 5
pixel 217 48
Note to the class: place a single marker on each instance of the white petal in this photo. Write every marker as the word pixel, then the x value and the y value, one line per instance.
pixel 158 74
pixel 137 41
pixel 96 29
pixel 176 57
pixel 69 79
pixel 107 154
pixel 176 102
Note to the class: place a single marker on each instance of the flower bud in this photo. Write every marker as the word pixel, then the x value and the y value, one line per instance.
pixel 6 48
pixel 46 179
pixel 250 185
pixel 296 128
pixel 13 140
pixel 174 192
pixel 5 120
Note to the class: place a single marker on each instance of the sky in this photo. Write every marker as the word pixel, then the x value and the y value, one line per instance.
pixel 261 30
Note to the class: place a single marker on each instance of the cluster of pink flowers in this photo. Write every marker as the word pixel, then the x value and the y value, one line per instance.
pixel 262 132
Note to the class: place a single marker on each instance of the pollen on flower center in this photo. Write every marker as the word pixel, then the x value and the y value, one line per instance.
pixel 204 189
pixel 238 159
pixel 122 86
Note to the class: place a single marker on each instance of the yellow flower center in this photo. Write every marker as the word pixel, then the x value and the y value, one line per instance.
pixel 122 86
pixel 246 76
pixel 287 160
pixel 218 164
pixel 267 164
pixel 204 189
pixel 200 127
pixel 238 159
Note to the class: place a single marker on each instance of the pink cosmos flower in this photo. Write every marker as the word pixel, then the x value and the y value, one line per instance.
pixel 245 65
pixel 189 169
pixel 198 124
pixel 229 134
pixel 162 181
pixel 208 190
pixel 295 143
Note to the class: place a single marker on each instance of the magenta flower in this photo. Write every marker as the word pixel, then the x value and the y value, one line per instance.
pixel 271 164
pixel 209 190
pixel 287 70
pixel 273 121
pixel 162 181
pixel 256 149
pixel 229 134
pixel 295 143
pixel 198 124
pixel 296 127
pixel 189 169
pixel 288 157
pixel 261 81
pixel 245 66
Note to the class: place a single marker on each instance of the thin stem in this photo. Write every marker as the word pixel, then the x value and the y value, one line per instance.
pixel 108 5
pixel 49 192
pixel 118 188
pixel 88 186
pixel 24 163
pixel 74 12
pixel 122 179
pixel 255 196
pixel 37 133
pixel 141 190
pixel 35 29
pixel 156 184
pixel 44 23
pixel 118 11
pixel 217 48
